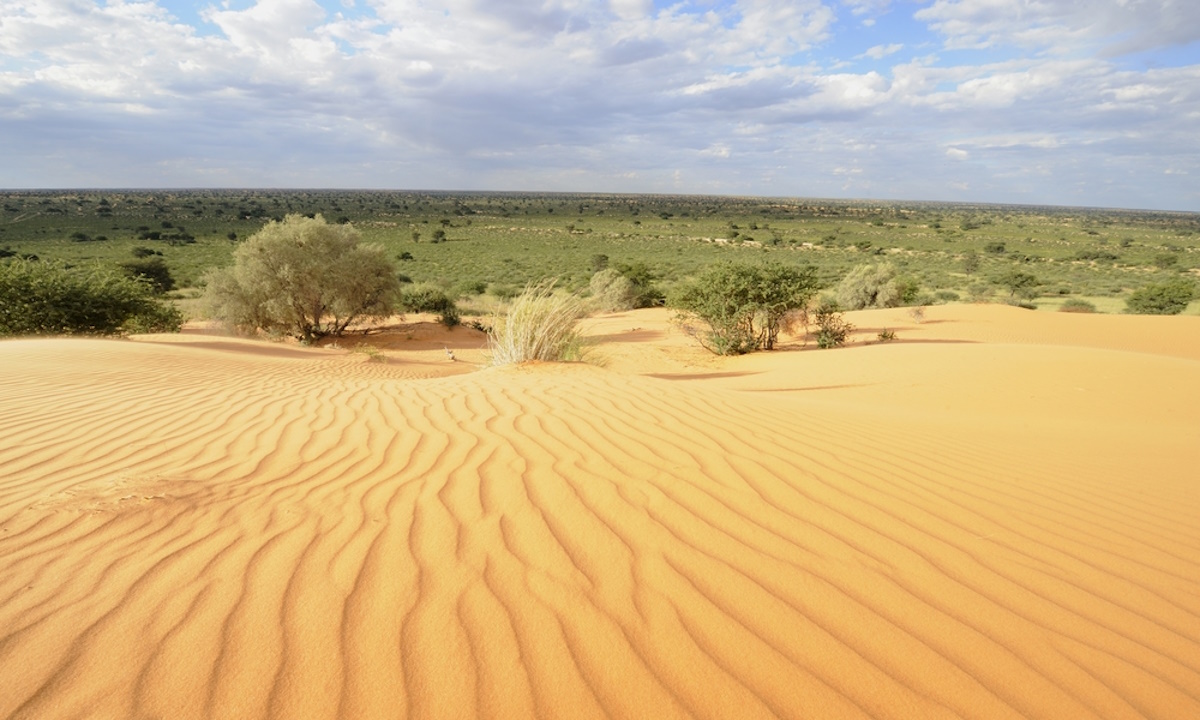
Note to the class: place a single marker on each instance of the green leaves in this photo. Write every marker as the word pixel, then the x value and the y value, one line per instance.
pixel 40 298
pixel 744 306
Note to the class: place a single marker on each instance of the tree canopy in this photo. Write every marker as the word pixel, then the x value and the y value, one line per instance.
pixel 303 277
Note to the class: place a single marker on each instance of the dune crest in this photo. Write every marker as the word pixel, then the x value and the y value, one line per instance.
pixel 876 531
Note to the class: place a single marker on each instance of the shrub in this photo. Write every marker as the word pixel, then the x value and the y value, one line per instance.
pixel 153 269
pixel 1020 284
pixel 40 298
pixel 303 277
pixel 612 291
pixel 429 299
pixel 540 324
pixel 868 286
pixel 832 328
pixel 645 293
pixel 1165 298
pixel 1075 305
pixel 744 306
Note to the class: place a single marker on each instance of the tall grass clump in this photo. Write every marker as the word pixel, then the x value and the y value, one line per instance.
pixel 541 324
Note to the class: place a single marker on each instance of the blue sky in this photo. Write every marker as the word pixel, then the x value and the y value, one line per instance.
pixel 1065 102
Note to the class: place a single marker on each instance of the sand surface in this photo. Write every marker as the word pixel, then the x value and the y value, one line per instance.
pixel 995 516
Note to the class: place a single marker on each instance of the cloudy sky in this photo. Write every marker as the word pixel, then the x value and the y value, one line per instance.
pixel 1065 102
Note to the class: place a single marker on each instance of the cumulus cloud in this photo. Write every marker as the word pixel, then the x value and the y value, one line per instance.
pixel 730 96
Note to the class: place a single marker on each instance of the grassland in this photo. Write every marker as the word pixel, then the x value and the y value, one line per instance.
pixel 472 243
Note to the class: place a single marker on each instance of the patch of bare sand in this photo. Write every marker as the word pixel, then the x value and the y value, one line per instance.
pixel 993 516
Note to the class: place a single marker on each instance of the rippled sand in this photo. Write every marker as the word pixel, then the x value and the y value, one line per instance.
pixel 995 516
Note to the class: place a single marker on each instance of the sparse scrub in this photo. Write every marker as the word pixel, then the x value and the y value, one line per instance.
pixel 541 324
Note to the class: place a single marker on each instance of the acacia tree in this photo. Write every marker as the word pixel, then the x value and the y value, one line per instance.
pixel 744 306
pixel 303 277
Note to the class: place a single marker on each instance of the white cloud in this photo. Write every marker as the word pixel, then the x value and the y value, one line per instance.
pixel 586 95
pixel 1119 26
pixel 879 52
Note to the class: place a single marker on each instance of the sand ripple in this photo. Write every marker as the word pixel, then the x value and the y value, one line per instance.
pixel 190 533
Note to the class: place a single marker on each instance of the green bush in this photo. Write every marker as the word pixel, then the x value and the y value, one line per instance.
pixel 612 292
pixel 540 324
pixel 1164 298
pixel 1075 305
pixel 868 286
pixel 832 328
pixel 153 269
pixel 303 277
pixel 40 298
pixel 744 306
pixel 429 299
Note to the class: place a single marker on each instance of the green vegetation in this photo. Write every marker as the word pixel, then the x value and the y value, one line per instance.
pixel 832 329
pixel 1075 305
pixel 541 324
pixel 743 307
pixel 305 278
pixel 869 286
pixel 501 242
pixel 430 299
pixel 1164 298
pixel 45 298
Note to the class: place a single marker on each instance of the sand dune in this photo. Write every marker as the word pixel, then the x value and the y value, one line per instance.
pixel 995 516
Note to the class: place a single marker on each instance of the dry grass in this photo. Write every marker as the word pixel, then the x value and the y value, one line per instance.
pixel 541 324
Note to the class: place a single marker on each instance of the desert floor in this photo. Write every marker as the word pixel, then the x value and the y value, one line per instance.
pixel 997 515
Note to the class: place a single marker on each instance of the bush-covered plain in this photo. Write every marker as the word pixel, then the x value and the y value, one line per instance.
pixel 503 241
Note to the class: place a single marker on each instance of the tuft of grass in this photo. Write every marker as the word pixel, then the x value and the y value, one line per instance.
pixel 541 324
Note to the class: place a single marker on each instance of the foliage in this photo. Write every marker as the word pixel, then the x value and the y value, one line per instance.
pixel 743 306
pixel 1075 305
pixel 832 328
pixel 430 299
pixel 42 298
pixel 303 277
pixel 868 286
pixel 1019 283
pixel 612 292
pixel 1165 298
pixel 642 278
pixel 541 324
pixel 153 269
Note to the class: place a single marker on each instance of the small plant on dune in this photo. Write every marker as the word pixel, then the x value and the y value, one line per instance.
pixel 886 335
pixel 832 328
pixel 541 324
pixel 744 307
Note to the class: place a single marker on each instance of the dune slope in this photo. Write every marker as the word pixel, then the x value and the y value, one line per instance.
pixel 189 532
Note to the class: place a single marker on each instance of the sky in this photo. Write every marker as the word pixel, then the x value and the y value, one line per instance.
pixel 1047 102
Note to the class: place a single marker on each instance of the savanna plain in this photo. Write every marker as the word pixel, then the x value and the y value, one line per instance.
pixel 976 506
